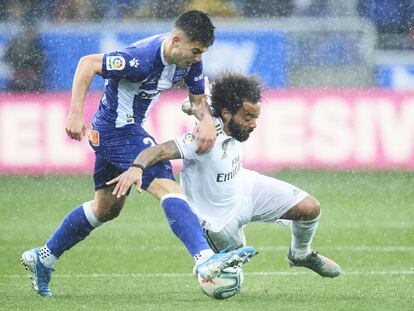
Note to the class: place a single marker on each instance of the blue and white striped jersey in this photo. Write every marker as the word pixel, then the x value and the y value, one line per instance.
pixel 134 79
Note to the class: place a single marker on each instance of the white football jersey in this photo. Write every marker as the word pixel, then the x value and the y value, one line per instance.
pixel 213 181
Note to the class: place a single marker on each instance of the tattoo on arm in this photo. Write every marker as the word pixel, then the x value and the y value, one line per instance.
pixel 170 151
pixel 198 114
pixel 155 154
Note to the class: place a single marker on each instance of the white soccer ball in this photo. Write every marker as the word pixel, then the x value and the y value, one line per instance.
pixel 225 286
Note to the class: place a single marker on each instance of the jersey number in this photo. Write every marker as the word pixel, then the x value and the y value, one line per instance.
pixel 149 141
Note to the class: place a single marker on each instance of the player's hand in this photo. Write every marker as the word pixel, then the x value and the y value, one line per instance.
pixel 124 181
pixel 187 107
pixel 75 126
pixel 205 131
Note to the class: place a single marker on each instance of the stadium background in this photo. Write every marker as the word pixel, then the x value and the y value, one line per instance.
pixel 339 90
pixel 338 121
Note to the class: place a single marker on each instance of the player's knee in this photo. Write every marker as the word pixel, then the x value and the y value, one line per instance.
pixel 313 208
pixel 316 209
pixel 107 213
pixel 309 208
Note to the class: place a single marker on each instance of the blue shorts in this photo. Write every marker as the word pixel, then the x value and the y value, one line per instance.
pixel 115 151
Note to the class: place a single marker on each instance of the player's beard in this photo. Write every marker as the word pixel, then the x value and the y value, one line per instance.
pixel 237 132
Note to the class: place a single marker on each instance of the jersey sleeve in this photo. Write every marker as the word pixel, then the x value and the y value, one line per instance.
pixel 125 64
pixel 187 146
pixel 195 79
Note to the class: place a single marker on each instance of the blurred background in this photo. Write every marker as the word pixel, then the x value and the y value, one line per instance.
pixel 337 120
pixel 339 77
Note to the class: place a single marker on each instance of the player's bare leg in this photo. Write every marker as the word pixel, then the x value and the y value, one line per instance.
pixel 107 206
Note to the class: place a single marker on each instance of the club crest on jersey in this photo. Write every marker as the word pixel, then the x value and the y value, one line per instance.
pixel 115 63
pixel 224 146
pixel 188 138
pixel 94 138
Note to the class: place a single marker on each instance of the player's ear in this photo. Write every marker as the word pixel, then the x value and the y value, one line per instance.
pixel 176 40
pixel 225 114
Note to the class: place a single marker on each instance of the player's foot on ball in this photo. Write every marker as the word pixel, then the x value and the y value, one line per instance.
pixel 39 274
pixel 316 262
pixel 213 266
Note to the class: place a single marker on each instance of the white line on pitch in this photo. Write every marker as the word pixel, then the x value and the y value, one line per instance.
pixel 354 248
pixel 280 248
pixel 284 248
pixel 174 275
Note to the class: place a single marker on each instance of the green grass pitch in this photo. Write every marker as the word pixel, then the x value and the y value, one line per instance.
pixel 136 263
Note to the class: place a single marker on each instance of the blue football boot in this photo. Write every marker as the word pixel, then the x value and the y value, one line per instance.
pixel 213 266
pixel 39 274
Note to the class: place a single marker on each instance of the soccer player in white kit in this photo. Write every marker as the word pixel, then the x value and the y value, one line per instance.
pixel 224 195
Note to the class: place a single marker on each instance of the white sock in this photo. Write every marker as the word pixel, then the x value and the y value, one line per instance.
pixel 46 257
pixel 302 235
pixel 90 216
pixel 203 255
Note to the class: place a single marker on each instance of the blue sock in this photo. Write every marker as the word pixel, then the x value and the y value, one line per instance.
pixel 75 227
pixel 184 223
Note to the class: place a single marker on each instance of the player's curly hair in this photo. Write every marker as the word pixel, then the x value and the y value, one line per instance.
pixel 197 26
pixel 230 90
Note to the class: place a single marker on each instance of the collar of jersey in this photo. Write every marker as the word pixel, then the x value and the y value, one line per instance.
pixel 220 127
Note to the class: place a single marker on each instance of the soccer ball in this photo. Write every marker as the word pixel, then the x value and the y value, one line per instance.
pixel 225 286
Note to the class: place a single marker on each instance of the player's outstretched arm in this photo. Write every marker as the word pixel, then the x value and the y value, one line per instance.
pixel 87 67
pixel 148 157
pixel 205 130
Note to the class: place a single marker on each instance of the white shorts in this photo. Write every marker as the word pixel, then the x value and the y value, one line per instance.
pixel 266 200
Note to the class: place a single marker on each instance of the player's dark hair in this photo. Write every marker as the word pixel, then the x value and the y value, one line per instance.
pixel 197 26
pixel 230 90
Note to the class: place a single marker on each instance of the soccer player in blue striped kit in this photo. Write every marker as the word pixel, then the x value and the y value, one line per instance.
pixel 134 79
